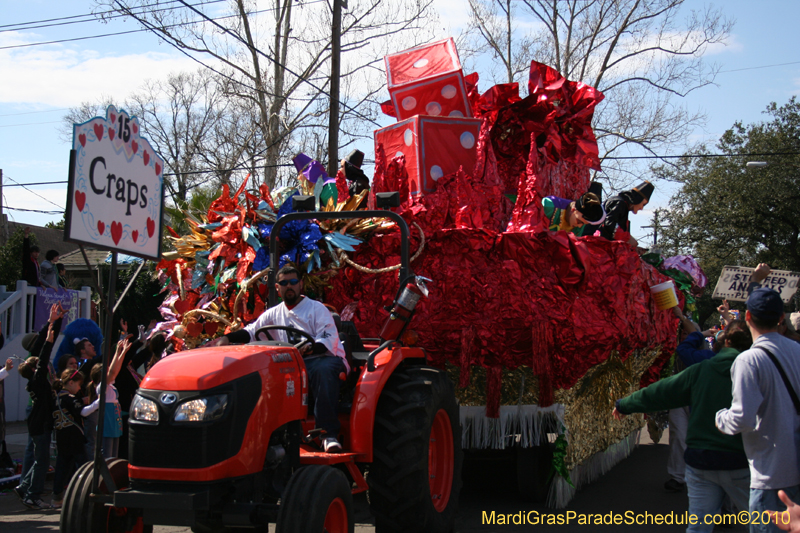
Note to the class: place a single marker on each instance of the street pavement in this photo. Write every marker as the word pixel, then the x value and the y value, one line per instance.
pixel 634 486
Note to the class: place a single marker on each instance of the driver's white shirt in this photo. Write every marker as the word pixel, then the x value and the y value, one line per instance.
pixel 309 316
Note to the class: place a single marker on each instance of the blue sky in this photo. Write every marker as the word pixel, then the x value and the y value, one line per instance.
pixel 40 83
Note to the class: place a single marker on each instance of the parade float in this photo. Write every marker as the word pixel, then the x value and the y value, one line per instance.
pixel 540 331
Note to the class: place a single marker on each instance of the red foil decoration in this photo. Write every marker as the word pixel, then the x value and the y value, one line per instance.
pixel 506 292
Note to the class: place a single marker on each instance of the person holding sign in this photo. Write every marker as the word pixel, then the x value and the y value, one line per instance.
pixel 765 408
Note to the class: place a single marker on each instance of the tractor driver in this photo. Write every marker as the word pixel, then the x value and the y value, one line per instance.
pixel 324 360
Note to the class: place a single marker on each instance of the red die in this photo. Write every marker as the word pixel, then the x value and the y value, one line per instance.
pixel 427 80
pixel 432 146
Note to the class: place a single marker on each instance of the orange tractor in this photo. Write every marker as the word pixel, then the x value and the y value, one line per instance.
pixel 221 438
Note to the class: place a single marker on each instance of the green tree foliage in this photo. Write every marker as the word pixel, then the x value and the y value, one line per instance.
pixel 728 214
pixel 61 224
pixel 11 259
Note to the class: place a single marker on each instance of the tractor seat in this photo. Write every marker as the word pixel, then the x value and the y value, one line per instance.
pixel 360 356
pixel 351 342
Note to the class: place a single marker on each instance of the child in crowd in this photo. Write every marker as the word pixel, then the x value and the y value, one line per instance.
pixel 112 422
pixel 69 430
pixel 40 420
pixel 86 357
pixel 68 361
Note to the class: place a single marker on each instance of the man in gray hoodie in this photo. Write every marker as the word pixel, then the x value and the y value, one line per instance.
pixel 762 409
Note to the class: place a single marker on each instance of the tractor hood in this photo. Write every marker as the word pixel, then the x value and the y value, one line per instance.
pixel 206 368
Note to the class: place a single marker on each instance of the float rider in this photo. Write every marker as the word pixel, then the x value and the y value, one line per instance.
pixel 616 225
pixel 573 215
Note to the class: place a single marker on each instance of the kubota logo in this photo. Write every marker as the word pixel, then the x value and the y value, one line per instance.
pixel 168 398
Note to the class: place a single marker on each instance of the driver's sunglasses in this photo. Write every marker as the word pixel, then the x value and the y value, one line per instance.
pixel 285 282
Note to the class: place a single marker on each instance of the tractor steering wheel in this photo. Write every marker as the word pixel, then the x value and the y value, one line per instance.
pixel 307 338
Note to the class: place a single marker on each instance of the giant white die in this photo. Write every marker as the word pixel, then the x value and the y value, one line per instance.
pixel 427 80
pixel 432 146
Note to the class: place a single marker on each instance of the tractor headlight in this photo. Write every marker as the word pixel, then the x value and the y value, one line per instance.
pixel 202 409
pixel 144 410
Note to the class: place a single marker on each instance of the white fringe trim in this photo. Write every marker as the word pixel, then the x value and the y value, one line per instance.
pixel 591 469
pixel 527 424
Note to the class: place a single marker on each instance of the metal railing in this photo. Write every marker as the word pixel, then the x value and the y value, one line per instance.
pixel 16 308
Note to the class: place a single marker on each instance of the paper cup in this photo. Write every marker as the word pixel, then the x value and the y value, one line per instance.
pixel 664 295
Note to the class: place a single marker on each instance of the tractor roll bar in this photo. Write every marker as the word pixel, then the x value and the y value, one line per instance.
pixel 405 270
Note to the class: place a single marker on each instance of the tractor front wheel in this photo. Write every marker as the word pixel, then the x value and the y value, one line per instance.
pixel 415 477
pixel 317 499
pixel 79 514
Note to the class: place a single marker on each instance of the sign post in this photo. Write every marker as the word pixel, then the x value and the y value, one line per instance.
pixel 114 202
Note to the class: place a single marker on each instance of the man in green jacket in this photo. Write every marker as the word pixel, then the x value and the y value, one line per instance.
pixel 715 463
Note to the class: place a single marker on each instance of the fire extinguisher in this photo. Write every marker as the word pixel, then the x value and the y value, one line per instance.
pixel 403 307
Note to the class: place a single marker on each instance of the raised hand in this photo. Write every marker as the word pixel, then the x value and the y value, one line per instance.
pixel 761 272
pixel 788 520
pixel 56 312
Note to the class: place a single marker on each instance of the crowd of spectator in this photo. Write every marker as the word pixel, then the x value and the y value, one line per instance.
pixel 64 401
pixel 739 394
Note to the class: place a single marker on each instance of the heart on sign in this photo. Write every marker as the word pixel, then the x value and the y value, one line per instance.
pixel 135 129
pixel 151 227
pixel 135 235
pixel 194 329
pixel 116 232
pixel 146 158
pixel 101 226
pixel 113 118
pixel 135 146
pixel 111 133
pixel 82 139
pixel 210 327
pixel 158 169
pixel 181 306
pixel 98 131
pixel 80 200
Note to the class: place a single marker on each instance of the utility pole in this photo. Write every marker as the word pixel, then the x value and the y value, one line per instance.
pixel 656 225
pixel 336 52
pixel 3 225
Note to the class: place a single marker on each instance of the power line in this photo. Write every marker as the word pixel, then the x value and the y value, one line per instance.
pixel 27 45
pixel 34 112
pixel 752 154
pixel 30 124
pixel 69 40
pixel 17 184
pixel 34 210
pixel 114 34
pixel 32 192
pixel 762 66
pixel 88 17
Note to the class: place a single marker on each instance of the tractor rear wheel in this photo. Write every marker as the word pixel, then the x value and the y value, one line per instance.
pixel 317 499
pixel 81 515
pixel 415 478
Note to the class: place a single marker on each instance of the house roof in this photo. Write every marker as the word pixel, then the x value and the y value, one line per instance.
pixel 74 260
pixel 46 238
